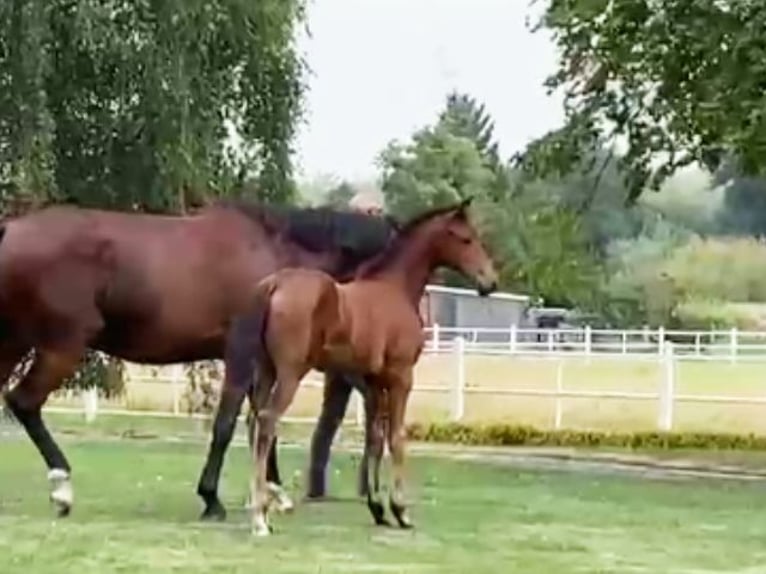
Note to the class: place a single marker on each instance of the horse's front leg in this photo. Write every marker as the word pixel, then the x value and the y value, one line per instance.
pixel 398 395
pixel 375 443
pixel 25 402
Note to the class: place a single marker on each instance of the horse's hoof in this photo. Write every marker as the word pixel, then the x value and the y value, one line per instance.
pixel 62 494
pixel 214 513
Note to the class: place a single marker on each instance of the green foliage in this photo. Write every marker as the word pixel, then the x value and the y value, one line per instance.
pixel 680 81
pixel 514 435
pixel 201 394
pixel 538 239
pixel 340 195
pixel 437 168
pixel 96 370
pixel 130 104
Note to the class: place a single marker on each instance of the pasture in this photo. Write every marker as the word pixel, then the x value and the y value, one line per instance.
pixel 435 375
pixel 136 512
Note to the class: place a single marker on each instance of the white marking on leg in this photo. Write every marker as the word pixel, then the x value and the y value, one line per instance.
pixel 62 493
pixel 279 495
pixel 260 527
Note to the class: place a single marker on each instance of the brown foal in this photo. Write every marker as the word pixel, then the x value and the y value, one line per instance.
pixel 302 319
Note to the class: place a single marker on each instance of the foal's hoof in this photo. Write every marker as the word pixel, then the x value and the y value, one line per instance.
pixel 400 513
pixel 378 512
pixel 62 510
pixel 213 513
pixel 261 528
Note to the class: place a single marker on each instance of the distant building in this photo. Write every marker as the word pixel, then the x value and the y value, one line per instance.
pixel 451 307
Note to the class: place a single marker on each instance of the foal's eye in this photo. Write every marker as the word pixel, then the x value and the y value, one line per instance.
pixel 466 240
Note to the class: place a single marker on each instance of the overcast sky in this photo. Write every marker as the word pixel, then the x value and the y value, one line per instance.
pixel 382 68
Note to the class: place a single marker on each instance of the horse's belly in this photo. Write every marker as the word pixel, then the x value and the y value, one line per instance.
pixel 161 342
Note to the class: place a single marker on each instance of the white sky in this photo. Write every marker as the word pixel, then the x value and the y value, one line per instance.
pixel 382 69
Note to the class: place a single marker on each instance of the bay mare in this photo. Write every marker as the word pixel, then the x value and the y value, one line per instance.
pixel 156 290
pixel 302 319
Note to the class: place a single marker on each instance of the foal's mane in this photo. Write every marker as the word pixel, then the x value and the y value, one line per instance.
pixel 382 260
pixel 319 229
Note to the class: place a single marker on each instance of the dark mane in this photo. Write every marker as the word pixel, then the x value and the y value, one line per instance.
pixel 321 229
pixel 383 259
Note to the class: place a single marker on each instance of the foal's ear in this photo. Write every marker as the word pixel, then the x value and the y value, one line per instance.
pixel 462 207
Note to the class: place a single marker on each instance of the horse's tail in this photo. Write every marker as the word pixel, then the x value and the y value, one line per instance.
pixel 246 347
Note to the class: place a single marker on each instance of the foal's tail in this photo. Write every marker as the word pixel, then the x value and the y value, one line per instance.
pixel 246 348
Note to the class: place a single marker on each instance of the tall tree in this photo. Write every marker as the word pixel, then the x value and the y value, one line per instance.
pixel 132 104
pixel 679 80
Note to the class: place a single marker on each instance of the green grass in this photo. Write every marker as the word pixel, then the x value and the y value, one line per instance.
pixel 136 511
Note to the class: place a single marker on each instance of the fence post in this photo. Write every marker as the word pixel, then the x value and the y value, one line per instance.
pixel 435 337
pixel 359 410
pixel 559 399
pixel 667 389
pixel 551 345
pixel 733 345
pixel 176 381
pixel 90 404
pixel 588 343
pixel 661 341
pixel 513 338
pixel 458 388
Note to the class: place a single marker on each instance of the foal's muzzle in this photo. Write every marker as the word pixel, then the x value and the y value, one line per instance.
pixel 485 289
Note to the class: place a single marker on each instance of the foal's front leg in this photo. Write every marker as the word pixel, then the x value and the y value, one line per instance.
pixel 398 395
pixel 375 443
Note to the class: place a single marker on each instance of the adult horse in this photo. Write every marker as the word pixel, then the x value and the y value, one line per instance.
pixel 302 319
pixel 151 289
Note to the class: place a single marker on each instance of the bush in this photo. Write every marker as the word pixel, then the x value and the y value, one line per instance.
pixel 513 435
pixel 201 395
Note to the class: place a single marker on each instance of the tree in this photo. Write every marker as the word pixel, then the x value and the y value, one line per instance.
pixel 539 243
pixel 340 195
pixel 436 168
pixel 680 81
pixel 132 104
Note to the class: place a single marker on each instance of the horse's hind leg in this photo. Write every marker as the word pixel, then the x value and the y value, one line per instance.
pixel 25 401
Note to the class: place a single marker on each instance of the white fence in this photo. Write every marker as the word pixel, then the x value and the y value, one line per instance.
pixel 664 347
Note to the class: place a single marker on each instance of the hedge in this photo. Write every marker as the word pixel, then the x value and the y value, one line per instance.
pixel 514 435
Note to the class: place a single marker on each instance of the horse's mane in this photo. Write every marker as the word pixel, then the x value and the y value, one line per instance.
pixel 383 260
pixel 319 229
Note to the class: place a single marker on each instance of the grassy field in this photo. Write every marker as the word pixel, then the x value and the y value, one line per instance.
pixel 136 512
pixel 693 378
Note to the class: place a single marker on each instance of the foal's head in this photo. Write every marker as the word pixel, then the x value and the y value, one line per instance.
pixel 458 246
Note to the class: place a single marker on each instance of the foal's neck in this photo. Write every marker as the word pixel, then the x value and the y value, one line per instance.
pixel 410 267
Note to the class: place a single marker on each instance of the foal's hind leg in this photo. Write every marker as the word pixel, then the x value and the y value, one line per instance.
pixel 284 502
pixel 272 401
pixel 25 401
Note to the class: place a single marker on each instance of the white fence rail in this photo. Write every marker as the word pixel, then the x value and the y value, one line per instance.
pixel 666 348
pixel 730 343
